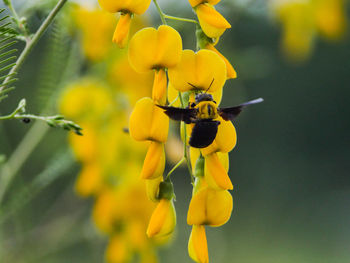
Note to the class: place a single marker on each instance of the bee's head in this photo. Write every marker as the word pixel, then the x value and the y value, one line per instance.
pixel 203 97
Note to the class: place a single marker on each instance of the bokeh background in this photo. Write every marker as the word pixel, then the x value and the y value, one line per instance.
pixel 290 168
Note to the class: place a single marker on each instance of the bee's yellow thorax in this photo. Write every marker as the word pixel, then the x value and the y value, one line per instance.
pixel 207 110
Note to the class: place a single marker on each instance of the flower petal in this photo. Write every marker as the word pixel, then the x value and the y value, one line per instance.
pixel 199 69
pixel 197 244
pixel 153 49
pixel 163 219
pixel 148 122
pixel 154 163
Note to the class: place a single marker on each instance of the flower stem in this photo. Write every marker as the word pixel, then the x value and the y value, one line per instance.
pixel 180 19
pixel 161 14
pixel 175 167
pixel 31 42
pixel 185 144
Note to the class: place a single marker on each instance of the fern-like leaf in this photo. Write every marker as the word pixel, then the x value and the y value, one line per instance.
pixel 7 54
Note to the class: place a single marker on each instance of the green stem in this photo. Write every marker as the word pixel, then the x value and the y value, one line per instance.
pixel 180 19
pixel 161 14
pixel 31 42
pixel 175 167
pixel 185 144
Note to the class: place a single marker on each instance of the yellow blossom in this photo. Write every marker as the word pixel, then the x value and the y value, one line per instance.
pixel 212 22
pixel 152 49
pixel 154 163
pixel 127 9
pixel 210 207
pixel 89 180
pixel 199 69
pixel 225 139
pixel 231 73
pixel 148 122
pixel 117 250
pixel 197 244
pixel 96 26
pixel 152 188
pixel 217 172
pixel 163 219
pixel 213 175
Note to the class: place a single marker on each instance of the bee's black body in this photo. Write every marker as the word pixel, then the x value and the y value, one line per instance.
pixel 203 113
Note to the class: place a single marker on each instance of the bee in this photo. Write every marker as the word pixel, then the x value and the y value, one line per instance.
pixel 203 114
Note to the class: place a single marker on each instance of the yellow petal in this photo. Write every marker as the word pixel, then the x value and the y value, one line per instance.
pixel 225 139
pixel 159 87
pixel 197 245
pixel 154 49
pixel 132 6
pixel 199 69
pixel 173 96
pixel 121 33
pixel 231 73
pixel 331 18
pixel 89 180
pixel 194 155
pixel 148 122
pixel 217 172
pixel 210 207
pixel 152 188
pixel 163 219
pixel 117 250
pixel 212 22
pixel 154 163
pixel 224 160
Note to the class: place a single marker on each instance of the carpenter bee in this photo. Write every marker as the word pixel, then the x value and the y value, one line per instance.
pixel 203 113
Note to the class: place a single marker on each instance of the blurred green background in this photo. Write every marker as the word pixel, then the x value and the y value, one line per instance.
pixel 290 168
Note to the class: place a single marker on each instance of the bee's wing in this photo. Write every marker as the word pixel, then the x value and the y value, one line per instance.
pixel 232 112
pixel 179 114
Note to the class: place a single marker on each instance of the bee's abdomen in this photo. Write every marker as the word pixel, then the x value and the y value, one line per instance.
pixel 203 133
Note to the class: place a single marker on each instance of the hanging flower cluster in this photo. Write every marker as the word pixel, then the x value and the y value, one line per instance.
pixel 178 76
pixel 302 21
pixel 113 175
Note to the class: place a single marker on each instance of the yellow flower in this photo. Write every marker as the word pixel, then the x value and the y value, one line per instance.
pixel 117 250
pixel 85 147
pixel 163 219
pixel 154 163
pixel 330 17
pixel 197 244
pixel 216 173
pixel 89 180
pixel 152 188
pixel 212 22
pixel 148 122
pixel 126 9
pixel 86 100
pixel 152 49
pixel 231 73
pixel 225 139
pixel 210 207
pixel 212 175
pixel 199 69
pixel 96 26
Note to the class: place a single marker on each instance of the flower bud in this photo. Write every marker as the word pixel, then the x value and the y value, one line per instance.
pixel 154 163
pixel 197 244
pixel 163 219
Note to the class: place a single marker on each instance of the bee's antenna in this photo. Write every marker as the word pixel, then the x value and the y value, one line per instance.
pixel 211 83
pixel 192 85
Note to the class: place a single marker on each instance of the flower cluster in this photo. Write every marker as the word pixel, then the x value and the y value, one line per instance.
pixel 110 160
pixel 178 76
pixel 303 20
